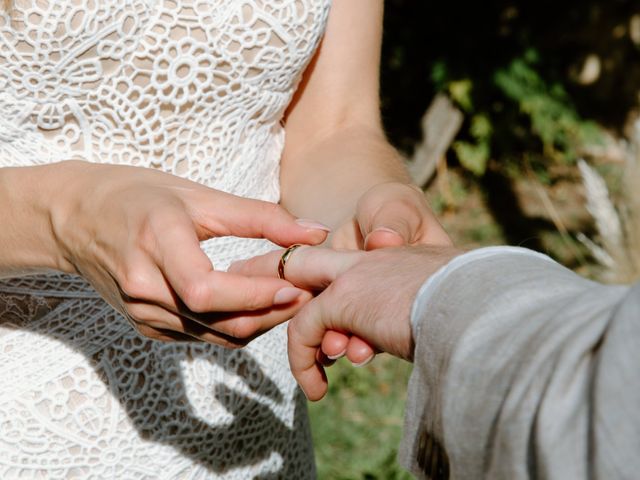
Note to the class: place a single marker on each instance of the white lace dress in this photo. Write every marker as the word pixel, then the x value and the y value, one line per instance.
pixel 192 87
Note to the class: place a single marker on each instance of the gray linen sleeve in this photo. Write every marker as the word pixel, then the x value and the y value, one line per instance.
pixel 523 370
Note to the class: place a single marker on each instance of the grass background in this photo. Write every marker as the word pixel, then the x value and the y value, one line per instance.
pixel 358 426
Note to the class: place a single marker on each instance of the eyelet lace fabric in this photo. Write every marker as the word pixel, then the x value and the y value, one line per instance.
pixel 196 88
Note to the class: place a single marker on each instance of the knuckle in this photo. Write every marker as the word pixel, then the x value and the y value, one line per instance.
pixel 137 283
pixel 340 287
pixel 251 298
pixel 146 232
pixel 340 293
pixel 196 297
pixel 271 209
pixel 272 213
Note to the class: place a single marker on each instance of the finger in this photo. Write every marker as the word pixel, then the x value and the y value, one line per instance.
pixel 416 227
pixel 398 213
pixel 334 344
pixel 158 323
pixel 166 336
pixel 287 303
pixel 359 352
pixel 159 332
pixel 227 292
pixel 190 274
pixel 225 330
pixel 311 268
pixel 306 332
pixel 224 214
pixel 248 325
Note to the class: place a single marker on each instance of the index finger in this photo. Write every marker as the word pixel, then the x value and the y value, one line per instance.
pixel 305 333
pixel 190 274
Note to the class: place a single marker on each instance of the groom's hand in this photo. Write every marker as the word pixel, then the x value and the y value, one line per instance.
pixel 369 295
pixel 392 214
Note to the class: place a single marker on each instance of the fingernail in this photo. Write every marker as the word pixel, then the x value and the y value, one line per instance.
pixel 366 362
pixel 339 355
pixel 312 225
pixel 286 295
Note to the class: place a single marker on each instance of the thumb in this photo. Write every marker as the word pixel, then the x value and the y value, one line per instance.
pixel 392 225
pixel 383 237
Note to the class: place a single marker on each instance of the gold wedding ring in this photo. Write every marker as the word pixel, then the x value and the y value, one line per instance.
pixel 284 258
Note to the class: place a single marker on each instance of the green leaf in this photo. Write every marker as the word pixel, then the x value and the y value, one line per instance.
pixel 553 118
pixel 473 157
pixel 460 91
pixel 440 75
pixel 481 128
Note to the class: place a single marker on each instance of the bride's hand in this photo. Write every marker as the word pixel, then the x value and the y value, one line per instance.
pixel 390 214
pixel 134 234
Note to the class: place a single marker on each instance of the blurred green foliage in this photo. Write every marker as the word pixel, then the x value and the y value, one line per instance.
pixel 515 69
pixel 547 109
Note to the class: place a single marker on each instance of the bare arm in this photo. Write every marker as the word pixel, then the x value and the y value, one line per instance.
pixel 336 150
pixel 333 126
pixel 134 234
pixel 27 243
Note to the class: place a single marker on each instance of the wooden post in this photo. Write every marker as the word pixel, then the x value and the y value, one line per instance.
pixel 440 125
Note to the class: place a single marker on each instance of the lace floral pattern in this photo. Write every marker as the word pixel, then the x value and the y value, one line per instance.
pixel 195 88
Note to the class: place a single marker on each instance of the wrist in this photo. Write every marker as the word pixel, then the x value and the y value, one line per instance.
pixel 29 194
pixel 434 267
pixel 325 180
